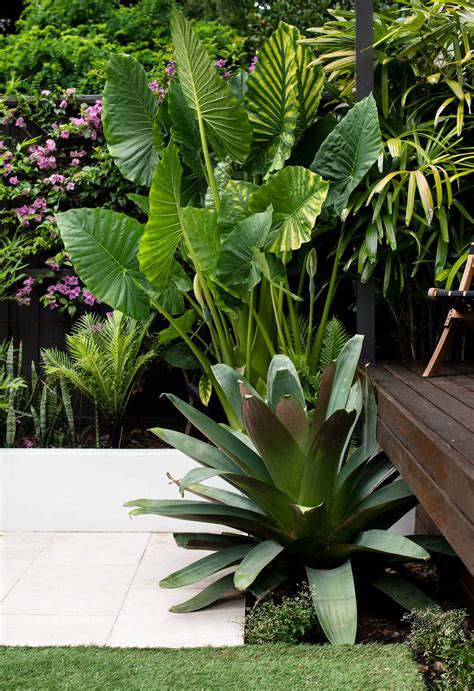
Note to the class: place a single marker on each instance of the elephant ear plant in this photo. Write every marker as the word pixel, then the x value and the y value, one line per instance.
pixel 228 204
pixel 314 498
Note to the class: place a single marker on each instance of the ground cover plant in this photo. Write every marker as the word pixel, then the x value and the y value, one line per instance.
pixel 317 500
pixel 271 667
pixel 445 645
pixel 229 205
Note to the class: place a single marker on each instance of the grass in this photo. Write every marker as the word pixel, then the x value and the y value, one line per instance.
pixel 259 667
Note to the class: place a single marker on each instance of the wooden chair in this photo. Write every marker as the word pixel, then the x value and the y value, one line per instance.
pixel 462 309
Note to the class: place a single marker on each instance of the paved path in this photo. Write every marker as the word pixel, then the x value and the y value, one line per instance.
pixel 102 589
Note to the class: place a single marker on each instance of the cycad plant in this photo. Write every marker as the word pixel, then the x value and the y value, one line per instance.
pixel 104 361
pixel 308 504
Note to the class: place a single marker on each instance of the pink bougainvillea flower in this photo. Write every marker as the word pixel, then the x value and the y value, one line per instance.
pixel 70 186
pixel 63 105
pixel 45 92
pixel 13 180
pixel 154 86
pixel 20 122
pixel 253 64
pixel 220 62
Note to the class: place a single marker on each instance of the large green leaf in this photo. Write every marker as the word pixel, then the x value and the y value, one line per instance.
pixel 218 495
pixel 202 568
pixel 391 543
pixel 230 380
pixel 309 80
pixel 280 452
pixel 163 231
pixel 405 593
pixel 275 504
pixel 197 450
pixel 201 230
pixel 129 117
pixel 205 512
pixel 207 596
pixel 238 264
pixel 346 368
pixel 349 151
pixel 293 416
pixel 235 201
pixel 324 458
pixel 296 195
pixel 210 541
pixel 272 102
pixel 256 559
pixel 184 129
pixel 102 245
pixel 208 95
pixel 335 602
pixel 246 459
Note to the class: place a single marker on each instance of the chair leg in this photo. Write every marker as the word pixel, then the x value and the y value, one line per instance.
pixel 439 354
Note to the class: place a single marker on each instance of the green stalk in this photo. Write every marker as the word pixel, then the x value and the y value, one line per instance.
pixel 277 321
pixel 294 321
pixel 264 332
pixel 204 362
pixel 207 160
pixel 249 338
pixel 316 351
pixel 311 318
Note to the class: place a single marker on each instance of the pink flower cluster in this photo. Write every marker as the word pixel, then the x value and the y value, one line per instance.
pixel 253 64
pixel 69 288
pixel 33 212
pixel 89 120
pixel 59 182
pixel 5 160
pixel 159 90
pixel 43 155
pixel 23 295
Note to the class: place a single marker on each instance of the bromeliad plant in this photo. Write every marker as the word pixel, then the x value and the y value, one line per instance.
pixel 314 497
pixel 228 204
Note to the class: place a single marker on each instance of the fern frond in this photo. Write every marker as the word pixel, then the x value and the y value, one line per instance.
pixel 334 339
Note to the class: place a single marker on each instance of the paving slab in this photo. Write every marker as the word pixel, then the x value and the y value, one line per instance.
pixel 102 589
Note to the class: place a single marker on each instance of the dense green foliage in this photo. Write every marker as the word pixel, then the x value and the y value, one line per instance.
pixel 443 642
pixel 68 44
pixel 411 221
pixel 273 667
pixel 228 206
pixel 104 361
pixel 286 621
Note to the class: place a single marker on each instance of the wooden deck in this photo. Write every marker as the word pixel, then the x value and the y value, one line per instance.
pixel 426 427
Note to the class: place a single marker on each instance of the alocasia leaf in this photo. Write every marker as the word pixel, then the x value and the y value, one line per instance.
pixel 163 231
pixel 184 129
pixel 349 151
pixel 130 119
pixel 297 196
pixel 272 102
pixel 102 245
pixel 235 202
pixel 208 95
pixel 236 265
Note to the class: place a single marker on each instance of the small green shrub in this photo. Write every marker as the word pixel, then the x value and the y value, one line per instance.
pixel 443 642
pixel 285 622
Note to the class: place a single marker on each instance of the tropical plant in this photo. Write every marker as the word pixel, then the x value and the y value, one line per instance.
pixel 410 221
pixel 315 497
pixel 227 208
pixel 104 361
pixel 42 405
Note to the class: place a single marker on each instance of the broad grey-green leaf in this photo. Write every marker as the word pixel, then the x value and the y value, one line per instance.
pixel 297 196
pixel 349 151
pixel 272 102
pixel 163 231
pixel 253 563
pixel 207 566
pixel 208 95
pixel 103 245
pixel 129 117
pixel 236 265
pixel 210 594
pixel 335 602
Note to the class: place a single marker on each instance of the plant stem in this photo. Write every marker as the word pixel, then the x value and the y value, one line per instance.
pixel 249 338
pixel 277 320
pixel 208 162
pixel 310 321
pixel 316 351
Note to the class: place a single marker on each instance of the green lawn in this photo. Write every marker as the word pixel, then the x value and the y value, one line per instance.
pixel 364 667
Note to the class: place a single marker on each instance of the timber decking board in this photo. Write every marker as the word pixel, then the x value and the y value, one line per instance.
pixel 426 427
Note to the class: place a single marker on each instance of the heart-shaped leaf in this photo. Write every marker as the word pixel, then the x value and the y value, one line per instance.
pixel 102 245
pixel 129 116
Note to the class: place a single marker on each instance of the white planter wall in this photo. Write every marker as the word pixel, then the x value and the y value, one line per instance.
pixel 84 489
